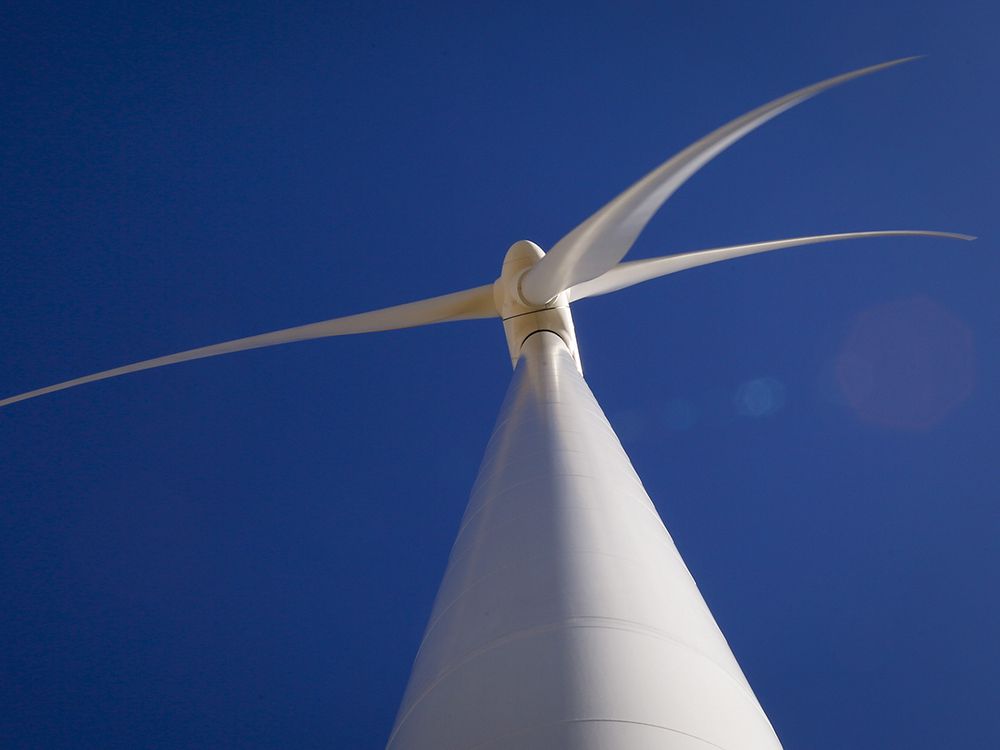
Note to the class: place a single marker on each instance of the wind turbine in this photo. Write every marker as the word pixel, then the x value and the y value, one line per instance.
pixel 566 617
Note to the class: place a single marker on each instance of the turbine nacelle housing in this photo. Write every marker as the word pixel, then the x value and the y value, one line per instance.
pixel 522 318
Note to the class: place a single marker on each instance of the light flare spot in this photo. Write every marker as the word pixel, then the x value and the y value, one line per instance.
pixel 906 364
pixel 760 397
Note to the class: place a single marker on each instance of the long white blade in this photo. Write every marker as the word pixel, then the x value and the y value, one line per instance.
pixel 628 274
pixel 602 240
pixel 467 304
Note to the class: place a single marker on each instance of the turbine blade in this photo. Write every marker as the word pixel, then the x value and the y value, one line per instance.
pixel 601 241
pixel 464 305
pixel 628 274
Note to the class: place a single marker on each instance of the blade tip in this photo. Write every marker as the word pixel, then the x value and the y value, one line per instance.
pixel 946 235
pixel 901 60
pixel 955 236
pixel 892 63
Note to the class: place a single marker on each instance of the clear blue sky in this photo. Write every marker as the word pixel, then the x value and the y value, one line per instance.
pixel 243 552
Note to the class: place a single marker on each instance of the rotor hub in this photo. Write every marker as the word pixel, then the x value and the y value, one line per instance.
pixel 521 318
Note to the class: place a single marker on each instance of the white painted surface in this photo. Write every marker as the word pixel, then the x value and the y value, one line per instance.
pixel 465 305
pixel 637 271
pixel 520 318
pixel 566 617
pixel 600 242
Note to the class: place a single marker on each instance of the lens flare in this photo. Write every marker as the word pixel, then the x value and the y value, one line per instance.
pixel 759 397
pixel 906 364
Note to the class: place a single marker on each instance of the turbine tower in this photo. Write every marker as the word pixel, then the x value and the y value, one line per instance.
pixel 566 617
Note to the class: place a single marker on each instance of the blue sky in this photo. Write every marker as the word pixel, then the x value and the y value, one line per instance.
pixel 243 552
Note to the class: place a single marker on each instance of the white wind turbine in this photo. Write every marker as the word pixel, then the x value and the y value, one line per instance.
pixel 566 617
